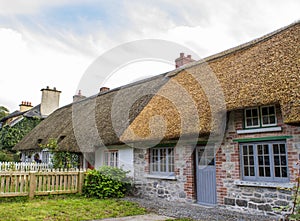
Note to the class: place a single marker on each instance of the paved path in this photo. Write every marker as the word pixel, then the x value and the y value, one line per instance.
pixel 148 217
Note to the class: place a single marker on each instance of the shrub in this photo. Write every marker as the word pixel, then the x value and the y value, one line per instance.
pixel 107 182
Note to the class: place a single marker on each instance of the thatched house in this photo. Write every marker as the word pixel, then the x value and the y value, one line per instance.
pixel 49 103
pixel 224 130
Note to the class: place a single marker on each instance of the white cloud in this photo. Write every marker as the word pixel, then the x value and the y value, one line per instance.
pixel 27 67
pixel 43 54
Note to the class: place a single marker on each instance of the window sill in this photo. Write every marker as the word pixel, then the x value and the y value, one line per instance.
pixel 263 184
pixel 161 177
pixel 259 130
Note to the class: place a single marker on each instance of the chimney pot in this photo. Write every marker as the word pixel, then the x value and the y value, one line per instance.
pixel 103 89
pixel 182 60
pixel 54 88
pixel 47 87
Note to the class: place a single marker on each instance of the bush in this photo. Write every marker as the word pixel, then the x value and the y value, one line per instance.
pixel 107 182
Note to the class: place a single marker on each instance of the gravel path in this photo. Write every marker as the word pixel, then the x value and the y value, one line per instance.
pixel 195 211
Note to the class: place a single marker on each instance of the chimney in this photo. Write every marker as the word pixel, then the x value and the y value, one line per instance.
pixel 50 101
pixel 103 89
pixel 182 60
pixel 78 96
pixel 25 106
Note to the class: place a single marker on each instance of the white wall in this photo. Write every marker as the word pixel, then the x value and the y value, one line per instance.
pixel 125 159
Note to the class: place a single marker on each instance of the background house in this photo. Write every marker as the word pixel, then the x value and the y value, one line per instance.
pixel 28 117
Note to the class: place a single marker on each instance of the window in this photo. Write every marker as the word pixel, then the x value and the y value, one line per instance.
pixel 264 161
pixel 264 116
pixel 111 158
pixel 162 160
pixel 268 116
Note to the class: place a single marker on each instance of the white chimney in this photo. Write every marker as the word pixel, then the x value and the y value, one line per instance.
pixel 50 101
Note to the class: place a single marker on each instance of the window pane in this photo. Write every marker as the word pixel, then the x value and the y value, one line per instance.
pixel 267 160
pixel 261 171
pixel 248 113
pixel 254 112
pixel 255 122
pixel 264 110
pixel 266 149
pixel 259 149
pixel 251 160
pixel 251 171
pixel 250 150
pixel 283 172
pixel 260 160
pixel 246 162
pixel 282 148
pixel 265 120
pixel 277 172
pixel 245 150
pixel 275 149
pixel 246 171
pixel 283 160
pixel 267 172
pixel 272 120
pixel 249 122
pixel 271 110
pixel 276 160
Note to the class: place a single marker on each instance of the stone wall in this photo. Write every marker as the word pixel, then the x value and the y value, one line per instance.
pixel 232 191
pixel 180 187
pixel 248 196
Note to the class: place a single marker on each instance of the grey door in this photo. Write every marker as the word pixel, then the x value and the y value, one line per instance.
pixel 206 175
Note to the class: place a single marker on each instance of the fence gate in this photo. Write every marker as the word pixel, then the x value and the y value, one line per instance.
pixel 206 175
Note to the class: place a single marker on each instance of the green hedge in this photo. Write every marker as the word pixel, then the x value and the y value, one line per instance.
pixel 107 182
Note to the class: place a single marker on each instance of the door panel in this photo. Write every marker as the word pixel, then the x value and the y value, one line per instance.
pixel 206 175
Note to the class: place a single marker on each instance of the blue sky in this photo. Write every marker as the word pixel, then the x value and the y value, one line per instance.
pixel 53 42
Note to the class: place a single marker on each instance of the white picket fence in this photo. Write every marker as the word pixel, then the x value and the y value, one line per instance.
pixel 22 166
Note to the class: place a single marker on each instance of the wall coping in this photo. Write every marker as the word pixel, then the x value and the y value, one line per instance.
pixel 162 177
pixel 263 184
pixel 259 130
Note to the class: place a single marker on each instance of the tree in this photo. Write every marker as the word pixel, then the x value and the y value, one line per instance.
pixel 3 112
pixel 10 136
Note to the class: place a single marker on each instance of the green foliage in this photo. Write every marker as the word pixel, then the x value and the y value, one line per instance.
pixel 107 182
pixel 65 207
pixel 3 112
pixel 293 212
pixel 10 136
pixel 6 156
pixel 61 159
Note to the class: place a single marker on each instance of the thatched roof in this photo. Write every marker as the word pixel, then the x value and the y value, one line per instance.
pixel 264 71
pixel 187 100
pixel 84 125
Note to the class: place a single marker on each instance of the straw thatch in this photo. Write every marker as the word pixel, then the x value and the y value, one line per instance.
pixel 187 101
pixel 87 124
pixel 264 71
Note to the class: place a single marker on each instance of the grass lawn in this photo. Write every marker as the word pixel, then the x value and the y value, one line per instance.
pixel 66 207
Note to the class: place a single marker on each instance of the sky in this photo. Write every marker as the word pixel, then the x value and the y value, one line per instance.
pixel 53 42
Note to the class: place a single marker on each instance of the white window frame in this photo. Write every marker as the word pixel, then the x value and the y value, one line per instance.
pixel 260 117
pixel 112 158
pixel 169 161
pixel 256 176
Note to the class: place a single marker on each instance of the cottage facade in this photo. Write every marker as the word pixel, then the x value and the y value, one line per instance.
pixel 228 131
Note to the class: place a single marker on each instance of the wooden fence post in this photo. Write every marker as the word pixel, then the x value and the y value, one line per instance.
pixel 32 184
pixel 80 181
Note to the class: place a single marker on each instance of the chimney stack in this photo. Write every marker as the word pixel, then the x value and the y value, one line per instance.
pixel 182 60
pixel 25 106
pixel 103 89
pixel 78 96
pixel 50 101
